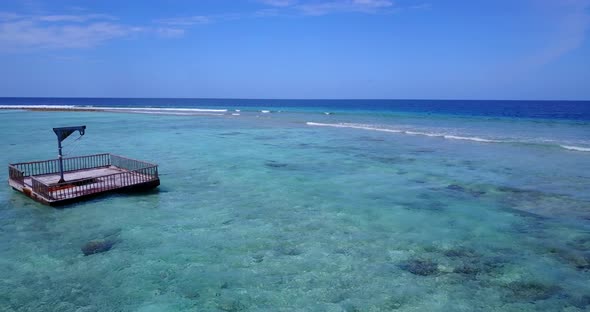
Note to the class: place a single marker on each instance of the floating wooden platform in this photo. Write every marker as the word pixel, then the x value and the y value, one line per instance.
pixel 85 176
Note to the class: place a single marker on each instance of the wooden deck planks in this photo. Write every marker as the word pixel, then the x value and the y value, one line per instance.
pixel 95 174
pixel 76 175
pixel 116 182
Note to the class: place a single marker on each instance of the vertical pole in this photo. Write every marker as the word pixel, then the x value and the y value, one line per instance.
pixel 61 162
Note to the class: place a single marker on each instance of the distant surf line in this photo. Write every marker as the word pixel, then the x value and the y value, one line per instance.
pixel 576 148
pixel 438 135
pixel 106 108
pixel 140 110
pixel 144 110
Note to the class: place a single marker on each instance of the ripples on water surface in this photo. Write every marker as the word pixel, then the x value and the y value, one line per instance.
pixel 267 212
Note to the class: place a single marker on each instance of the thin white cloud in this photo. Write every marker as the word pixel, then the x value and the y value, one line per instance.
pixel 421 6
pixel 167 32
pixel 290 8
pixel 74 18
pixel 373 3
pixel 278 3
pixel 272 12
pixel 176 27
pixel 187 21
pixel 85 30
pixel 571 20
pixel 332 6
pixel 563 27
pixel 9 16
pixel 18 32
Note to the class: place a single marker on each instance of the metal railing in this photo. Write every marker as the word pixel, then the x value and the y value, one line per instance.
pixel 38 167
pixel 128 163
pixel 137 172
pixel 100 184
pixel 40 188
pixel 86 162
pixel 51 166
pixel 16 175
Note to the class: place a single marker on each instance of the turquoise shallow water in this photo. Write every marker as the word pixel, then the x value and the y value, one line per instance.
pixel 288 212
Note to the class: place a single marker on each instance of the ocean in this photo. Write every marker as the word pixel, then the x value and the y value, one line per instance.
pixel 307 205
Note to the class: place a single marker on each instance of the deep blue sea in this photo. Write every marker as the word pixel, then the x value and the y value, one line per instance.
pixel 573 110
pixel 307 205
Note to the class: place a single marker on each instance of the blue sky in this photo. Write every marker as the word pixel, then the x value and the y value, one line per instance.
pixel 403 49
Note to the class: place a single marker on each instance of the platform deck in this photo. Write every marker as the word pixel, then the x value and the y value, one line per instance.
pixel 75 175
pixel 84 176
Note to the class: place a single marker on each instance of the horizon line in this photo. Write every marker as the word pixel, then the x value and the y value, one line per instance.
pixel 287 99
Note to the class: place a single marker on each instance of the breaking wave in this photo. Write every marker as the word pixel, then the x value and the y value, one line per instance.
pixel 430 134
pixel 576 148
pixel 144 110
pixel 438 135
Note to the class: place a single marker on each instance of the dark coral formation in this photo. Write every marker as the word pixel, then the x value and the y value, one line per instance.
pixel 231 306
pixel 464 190
pixel 230 133
pixel 110 238
pixel 532 291
pixel 578 259
pixel 274 164
pixel 288 251
pixel 420 267
pixel 455 187
pixel 470 263
pixel 97 246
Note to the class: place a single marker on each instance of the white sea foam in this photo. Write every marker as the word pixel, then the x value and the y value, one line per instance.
pixel 265 111
pixel 576 148
pixel 429 134
pixel 441 135
pixel 158 109
pixel 40 107
pixel 476 139
pixel 235 114
pixel 121 109
pixel 173 113
pixel 423 133
pixel 353 126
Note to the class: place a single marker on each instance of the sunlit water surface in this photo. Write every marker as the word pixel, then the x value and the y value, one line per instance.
pixel 287 212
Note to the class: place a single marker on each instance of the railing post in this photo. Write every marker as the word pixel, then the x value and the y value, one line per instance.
pixel 61 162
